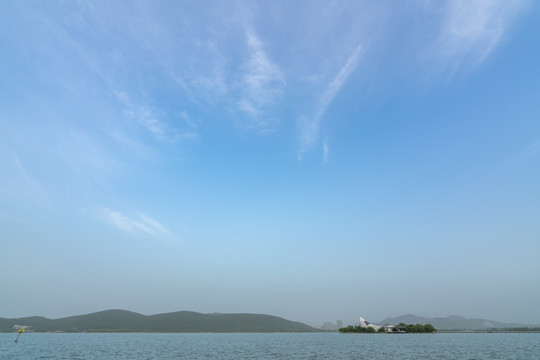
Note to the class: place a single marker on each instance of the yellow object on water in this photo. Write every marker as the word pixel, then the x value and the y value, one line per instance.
pixel 20 331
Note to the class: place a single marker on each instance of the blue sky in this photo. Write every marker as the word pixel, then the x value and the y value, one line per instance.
pixel 312 160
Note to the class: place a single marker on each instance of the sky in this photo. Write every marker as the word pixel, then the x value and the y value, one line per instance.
pixel 314 160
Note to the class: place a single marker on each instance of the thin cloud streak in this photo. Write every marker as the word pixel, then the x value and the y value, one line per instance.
pixel 529 153
pixel 139 224
pixel 28 181
pixel 309 127
pixel 325 151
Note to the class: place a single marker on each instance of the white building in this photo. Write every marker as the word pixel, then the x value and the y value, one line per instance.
pixel 387 327
pixel 365 324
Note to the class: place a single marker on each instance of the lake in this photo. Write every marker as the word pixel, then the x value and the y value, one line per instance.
pixel 269 346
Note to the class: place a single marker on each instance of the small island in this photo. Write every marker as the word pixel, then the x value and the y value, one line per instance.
pixel 401 328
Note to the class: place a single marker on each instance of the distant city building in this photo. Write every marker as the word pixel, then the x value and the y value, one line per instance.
pixel 328 325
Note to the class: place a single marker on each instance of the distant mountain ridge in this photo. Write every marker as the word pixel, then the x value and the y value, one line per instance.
pixel 181 321
pixel 452 322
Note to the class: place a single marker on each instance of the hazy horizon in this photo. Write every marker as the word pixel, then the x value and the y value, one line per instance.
pixel 312 160
pixel 334 322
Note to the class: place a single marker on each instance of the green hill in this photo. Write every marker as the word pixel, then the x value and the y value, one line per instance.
pixel 181 321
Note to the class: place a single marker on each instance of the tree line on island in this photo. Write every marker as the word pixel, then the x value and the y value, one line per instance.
pixel 400 328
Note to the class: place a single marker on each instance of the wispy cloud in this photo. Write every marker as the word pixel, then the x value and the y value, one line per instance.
pixel 28 181
pixel 17 180
pixel 185 116
pixel 262 83
pixel 205 81
pixel 310 126
pixel 159 129
pixel 89 158
pixel 525 155
pixel 325 151
pixel 471 29
pixel 140 223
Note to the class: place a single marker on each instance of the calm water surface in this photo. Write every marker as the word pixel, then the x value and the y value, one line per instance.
pixel 270 346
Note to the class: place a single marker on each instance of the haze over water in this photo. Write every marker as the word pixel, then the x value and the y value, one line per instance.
pixel 313 160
